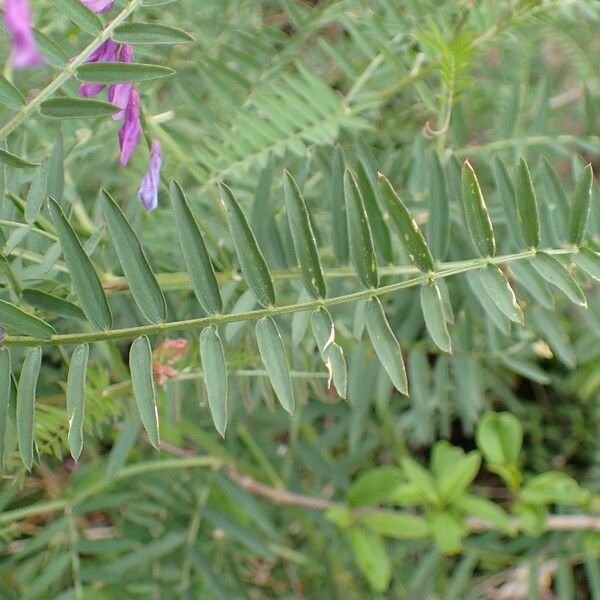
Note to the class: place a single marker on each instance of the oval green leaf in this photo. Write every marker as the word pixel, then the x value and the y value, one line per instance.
pixel 589 262
pixel 408 231
pixel 273 354
pixel 10 96
pixel 555 273
pixel 305 244
pixel 142 283
pixel 527 206
pixel 76 398
pixel 433 313
pixel 140 365
pixel 118 72
pixel 72 108
pixel 339 222
pixel 555 333
pixel 12 160
pixel 36 194
pixel 580 208
pixel 214 369
pixel 507 194
pixel 84 279
pixel 401 526
pixel 385 344
pixel 332 354
pixel 80 15
pixel 478 221
pixel 252 262
pixel 371 557
pixel 498 290
pixel 26 391
pixel 362 251
pixel 528 278
pixel 195 255
pixel 52 304
pixel 24 323
pixel 438 224
pixel 50 50
pixel 150 33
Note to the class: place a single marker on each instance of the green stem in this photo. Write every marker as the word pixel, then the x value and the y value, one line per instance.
pixel 68 71
pixel 125 473
pixel 534 140
pixel 17 225
pixel 271 311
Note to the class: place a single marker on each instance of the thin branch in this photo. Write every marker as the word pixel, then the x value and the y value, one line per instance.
pixel 276 496
pixel 199 323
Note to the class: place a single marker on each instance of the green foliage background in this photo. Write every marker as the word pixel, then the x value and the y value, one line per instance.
pixel 482 480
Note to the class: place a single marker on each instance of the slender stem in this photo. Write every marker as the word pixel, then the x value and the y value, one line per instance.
pixel 533 140
pixel 125 473
pixel 181 280
pixel 68 71
pixel 578 522
pixel 271 311
pixel 18 225
pixel 75 562
pixel 192 537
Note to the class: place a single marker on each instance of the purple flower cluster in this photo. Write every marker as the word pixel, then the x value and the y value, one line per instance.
pixel 127 98
pixel 151 182
pixel 123 95
pixel 17 16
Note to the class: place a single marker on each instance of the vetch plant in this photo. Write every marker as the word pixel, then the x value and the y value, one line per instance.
pixel 345 306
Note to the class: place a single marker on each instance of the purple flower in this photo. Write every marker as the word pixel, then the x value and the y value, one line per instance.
pixel 118 93
pixel 99 6
pixel 17 17
pixel 149 189
pixel 130 132
pixel 107 52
